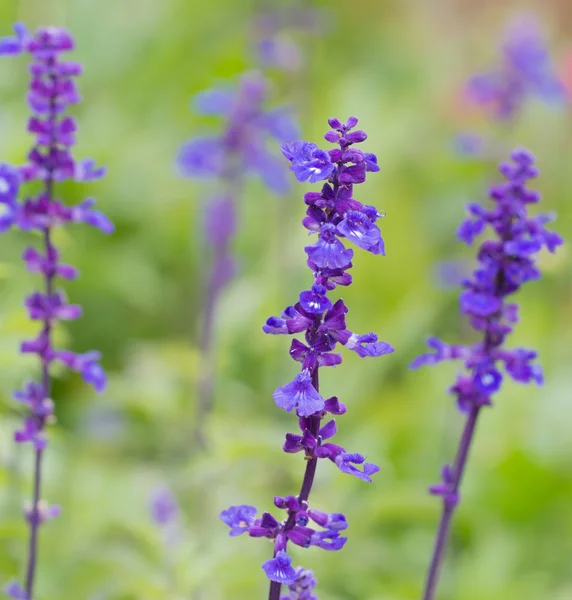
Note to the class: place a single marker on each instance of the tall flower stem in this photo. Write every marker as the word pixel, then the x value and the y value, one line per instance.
pixel 449 507
pixel 35 518
pixel 206 376
pixel 219 274
pixel 52 90
pixel 228 157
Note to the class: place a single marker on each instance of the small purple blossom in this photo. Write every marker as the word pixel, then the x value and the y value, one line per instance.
pixel 279 569
pixel 238 518
pixel 299 394
pixel 348 463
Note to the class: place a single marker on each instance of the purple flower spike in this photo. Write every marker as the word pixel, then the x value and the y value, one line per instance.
pixel 52 90
pixel 334 215
pixel 279 569
pixel 505 262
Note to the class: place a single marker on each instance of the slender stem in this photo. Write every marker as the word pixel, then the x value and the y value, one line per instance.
pixel 34 526
pixel 306 488
pixel 275 589
pixel 35 517
pixel 448 507
pixel 206 377
pixel 232 189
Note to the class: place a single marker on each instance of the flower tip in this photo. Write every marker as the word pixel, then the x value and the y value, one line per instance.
pixel 523 157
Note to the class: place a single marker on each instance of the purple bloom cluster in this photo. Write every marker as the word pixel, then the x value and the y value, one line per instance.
pixel 505 263
pixel 241 147
pixel 525 72
pixel 337 218
pixel 52 90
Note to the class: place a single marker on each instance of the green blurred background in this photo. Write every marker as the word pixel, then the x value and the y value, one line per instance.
pixel 398 65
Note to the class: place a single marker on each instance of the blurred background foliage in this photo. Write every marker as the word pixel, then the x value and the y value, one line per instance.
pixel 400 66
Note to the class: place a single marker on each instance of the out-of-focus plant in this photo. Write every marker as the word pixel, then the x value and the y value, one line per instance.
pixel 238 151
pixel 505 263
pixel 275 46
pixel 335 216
pixel 525 71
pixel 52 90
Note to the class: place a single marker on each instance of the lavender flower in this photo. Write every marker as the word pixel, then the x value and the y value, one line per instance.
pixel 525 71
pixel 505 263
pixel 337 218
pixel 241 147
pixel 239 150
pixel 52 90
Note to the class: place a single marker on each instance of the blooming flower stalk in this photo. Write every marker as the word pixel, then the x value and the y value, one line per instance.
pixel 229 157
pixel 505 262
pixel 52 90
pixel 525 71
pixel 337 219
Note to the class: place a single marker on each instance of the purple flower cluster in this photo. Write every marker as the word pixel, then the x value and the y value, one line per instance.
pixel 52 90
pixel 337 218
pixel 241 147
pixel 525 72
pixel 505 263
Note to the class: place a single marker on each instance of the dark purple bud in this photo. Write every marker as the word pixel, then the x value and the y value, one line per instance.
pixel 355 137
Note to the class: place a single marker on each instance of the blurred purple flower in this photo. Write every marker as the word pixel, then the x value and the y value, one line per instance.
pixel 525 71
pixel 163 506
